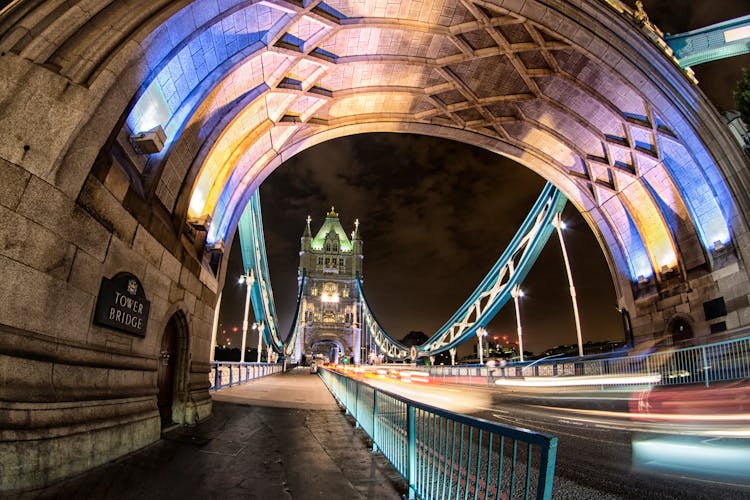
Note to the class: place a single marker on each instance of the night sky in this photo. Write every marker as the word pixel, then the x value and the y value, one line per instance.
pixel 436 214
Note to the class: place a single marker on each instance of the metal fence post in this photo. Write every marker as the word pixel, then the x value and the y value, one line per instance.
pixel 705 365
pixel 547 470
pixel 356 405
pixel 411 436
pixel 374 420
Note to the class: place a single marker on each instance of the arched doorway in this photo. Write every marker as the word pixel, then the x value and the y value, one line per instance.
pixel 166 372
pixel 331 351
pixel 680 329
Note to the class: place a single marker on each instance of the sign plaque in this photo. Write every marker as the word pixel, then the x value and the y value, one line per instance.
pixel 122 304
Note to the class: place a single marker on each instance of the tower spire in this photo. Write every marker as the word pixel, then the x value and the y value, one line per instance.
pixel 308 233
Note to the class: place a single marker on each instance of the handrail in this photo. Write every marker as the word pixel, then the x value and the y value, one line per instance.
pixel 225 374
pixel 445 454
pixel 706 364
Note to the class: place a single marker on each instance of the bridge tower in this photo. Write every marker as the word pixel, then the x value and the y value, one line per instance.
pixel 330 306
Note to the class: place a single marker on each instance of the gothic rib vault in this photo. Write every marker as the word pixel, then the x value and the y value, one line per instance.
pixel 581 92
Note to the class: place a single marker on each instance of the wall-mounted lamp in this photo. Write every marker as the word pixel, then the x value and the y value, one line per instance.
pixel 217 247
pixel 200 223
pixel 149 142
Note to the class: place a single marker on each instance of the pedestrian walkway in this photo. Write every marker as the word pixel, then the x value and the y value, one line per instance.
pixel 280 437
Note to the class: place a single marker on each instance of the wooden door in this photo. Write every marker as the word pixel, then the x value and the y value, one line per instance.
pixel 166 372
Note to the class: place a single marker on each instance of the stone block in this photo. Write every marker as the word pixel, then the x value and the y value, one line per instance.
pixel 171 266
pixel 683 308
pixel 111 340
pixel 117 182
pixel 732 319
pixel 40 117
pixel 207 278
pixel 176 293
pixel 34 245
pixel 190 302
pixel 120 257
pixel 156 283
pixel 743 316
pixel 190 282
pixel 14 182
pixel 43 304
pixel 86 273
pixel 24 380
pixel 46 205
pixel 726 271
pixel 43 458
pixel 146 245
pixel 672 301
pixel 158 318
pixel 107 210
pixel 138 161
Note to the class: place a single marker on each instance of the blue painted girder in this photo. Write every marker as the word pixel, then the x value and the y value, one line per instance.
pixel 493 292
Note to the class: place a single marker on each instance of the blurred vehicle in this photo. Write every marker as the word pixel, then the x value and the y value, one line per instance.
pixel 314 367
pixel 728 401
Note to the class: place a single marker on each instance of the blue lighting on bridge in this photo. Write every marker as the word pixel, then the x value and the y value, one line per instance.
pixel 708 210
pixel 638 259
pixel 173 86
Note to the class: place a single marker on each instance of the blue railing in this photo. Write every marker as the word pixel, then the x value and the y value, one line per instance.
pixel 227 373
pixel 442 454
pixel 718 362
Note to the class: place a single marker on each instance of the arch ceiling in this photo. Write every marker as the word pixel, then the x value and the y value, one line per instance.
pixel 578 93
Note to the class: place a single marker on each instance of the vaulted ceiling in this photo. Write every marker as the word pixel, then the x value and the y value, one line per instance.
pixel 582 93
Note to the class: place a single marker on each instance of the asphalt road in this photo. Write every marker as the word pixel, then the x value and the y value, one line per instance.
pixel 597 436
pixel 595 457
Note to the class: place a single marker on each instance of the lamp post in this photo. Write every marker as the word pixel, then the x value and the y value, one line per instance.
pixel 481 333
pixel 560 225
pixel 516 293
pixel 259 326
pixel 453 356
pixel 215 329
pixel 246 279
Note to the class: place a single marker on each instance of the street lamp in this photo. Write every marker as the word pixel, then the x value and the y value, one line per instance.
pixel 481 333
pixel 560 225
pixel 246 279
pixel 516 293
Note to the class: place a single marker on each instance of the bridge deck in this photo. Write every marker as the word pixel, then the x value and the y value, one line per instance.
pixel 279 437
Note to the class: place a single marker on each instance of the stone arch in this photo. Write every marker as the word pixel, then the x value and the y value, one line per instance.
pixel 343 348
pixel 187 397
pixel 580 92
pixel 680 328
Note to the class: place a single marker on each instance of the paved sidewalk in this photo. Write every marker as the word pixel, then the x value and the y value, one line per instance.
pixel 281 437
